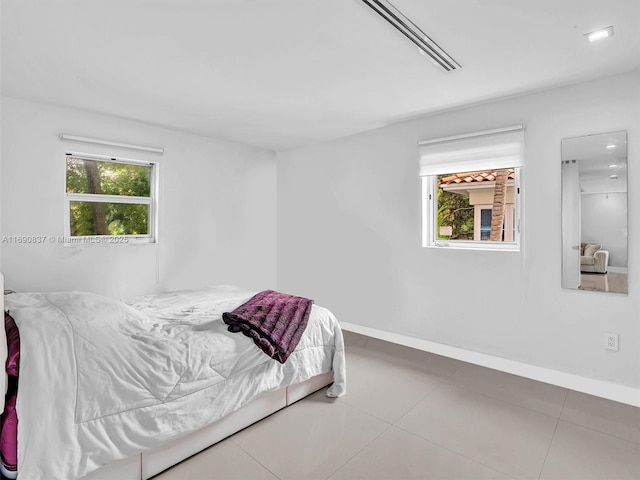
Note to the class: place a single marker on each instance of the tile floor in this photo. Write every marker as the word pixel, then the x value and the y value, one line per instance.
pixel 613 282
pixel 413 415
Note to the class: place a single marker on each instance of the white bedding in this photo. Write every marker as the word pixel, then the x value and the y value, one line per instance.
pixel 101 380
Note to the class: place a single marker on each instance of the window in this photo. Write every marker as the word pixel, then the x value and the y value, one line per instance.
pixel 485 223
pixel 110 200
pixel 508 232
pixel 471 190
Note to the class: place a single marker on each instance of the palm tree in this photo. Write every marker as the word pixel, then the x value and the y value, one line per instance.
pixel 499 200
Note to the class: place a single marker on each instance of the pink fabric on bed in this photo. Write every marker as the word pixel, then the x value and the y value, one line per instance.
pixel 13 345
pixel 9 418
pixel 9 434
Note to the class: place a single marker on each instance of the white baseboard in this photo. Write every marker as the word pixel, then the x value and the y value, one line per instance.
pixel 599 388
pixel 617 269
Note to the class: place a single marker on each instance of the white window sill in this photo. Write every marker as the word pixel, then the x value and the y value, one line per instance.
pixel 486 246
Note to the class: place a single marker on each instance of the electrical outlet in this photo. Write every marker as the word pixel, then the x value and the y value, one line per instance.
pixel 611 342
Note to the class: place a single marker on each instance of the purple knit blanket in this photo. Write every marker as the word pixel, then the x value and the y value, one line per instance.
pixel 275 321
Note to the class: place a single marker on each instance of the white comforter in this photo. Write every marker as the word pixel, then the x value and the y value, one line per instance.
pixel 101 380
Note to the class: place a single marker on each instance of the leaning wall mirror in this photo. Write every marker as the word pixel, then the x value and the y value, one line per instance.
pixel 594 212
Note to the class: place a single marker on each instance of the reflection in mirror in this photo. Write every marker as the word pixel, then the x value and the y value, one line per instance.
pixel 594 212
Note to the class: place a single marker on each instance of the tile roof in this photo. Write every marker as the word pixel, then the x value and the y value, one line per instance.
pixel 475 177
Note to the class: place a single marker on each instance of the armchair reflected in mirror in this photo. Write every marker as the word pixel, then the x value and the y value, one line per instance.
pixel 594 212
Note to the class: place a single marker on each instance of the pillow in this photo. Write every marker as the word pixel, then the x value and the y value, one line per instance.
pixel 13 345
pixel 591 249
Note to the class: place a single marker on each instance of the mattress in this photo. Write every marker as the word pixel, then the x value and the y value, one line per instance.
pixel 103 380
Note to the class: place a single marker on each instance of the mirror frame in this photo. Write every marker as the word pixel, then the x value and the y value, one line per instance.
pixel 597 165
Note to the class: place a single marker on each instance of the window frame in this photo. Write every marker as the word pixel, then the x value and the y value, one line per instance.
pixel 150 238
pixel 430 219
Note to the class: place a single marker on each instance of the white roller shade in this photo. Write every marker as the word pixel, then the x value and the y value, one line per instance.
pixel 491 149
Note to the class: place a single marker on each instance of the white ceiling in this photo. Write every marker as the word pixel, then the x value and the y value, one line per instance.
pixel 285 73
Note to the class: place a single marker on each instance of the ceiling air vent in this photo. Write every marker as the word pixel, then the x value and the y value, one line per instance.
pixel 410 30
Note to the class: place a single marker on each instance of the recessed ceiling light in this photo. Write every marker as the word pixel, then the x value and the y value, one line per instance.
pixel 613 177
pixel 613 165
pixel 611 145
pixel 600 34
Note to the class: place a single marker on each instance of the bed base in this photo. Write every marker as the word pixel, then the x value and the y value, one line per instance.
pixel 153 462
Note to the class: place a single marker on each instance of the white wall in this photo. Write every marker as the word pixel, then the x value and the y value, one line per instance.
pixel 349 236
pixel 604 220
pixel 217 207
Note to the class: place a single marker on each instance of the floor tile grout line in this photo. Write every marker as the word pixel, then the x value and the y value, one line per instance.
pixel 438 385
pixel 573 422
pixel 389 425
pixel 449 449
pixel 231 437
pixel 254 458
pixel 564 404
pixel 501 400
pixel 438 382
pixel 607 434
pixel 471 389
pixel 500 372
pixel 359 409
pixel 462 365
pixel 555 429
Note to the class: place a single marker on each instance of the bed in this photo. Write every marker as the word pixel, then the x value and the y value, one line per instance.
pixel 113 389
